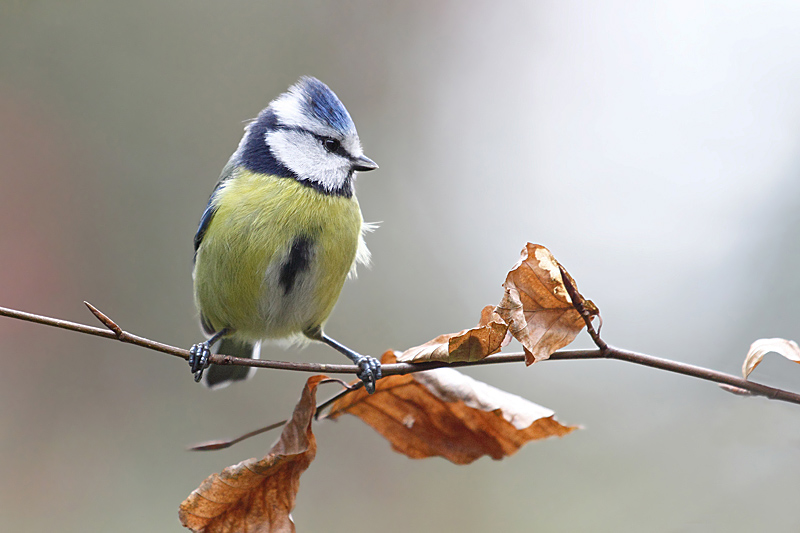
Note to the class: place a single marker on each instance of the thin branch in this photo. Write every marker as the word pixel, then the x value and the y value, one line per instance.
pixel 55 322
pixel 214 445
pixel 578 302
pixel 703 373
pixel 114 331
pixel 607 352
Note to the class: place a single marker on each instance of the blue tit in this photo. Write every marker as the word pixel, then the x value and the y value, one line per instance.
pixel 282 231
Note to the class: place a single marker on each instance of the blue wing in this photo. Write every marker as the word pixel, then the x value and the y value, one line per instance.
pixel 208 214
pixel 205 221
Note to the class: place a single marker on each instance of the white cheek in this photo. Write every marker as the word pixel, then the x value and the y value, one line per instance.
pixel 304 155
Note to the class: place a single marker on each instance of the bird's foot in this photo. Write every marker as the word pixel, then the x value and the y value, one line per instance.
pixel 199 355
pixel 370 372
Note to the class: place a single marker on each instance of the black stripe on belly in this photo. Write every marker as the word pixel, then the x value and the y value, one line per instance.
pixel 297 262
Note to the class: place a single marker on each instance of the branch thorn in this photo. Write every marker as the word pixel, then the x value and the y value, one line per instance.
pixel 735 390
pixel 107 322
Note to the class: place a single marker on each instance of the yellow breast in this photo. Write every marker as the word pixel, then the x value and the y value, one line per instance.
pixel 242 263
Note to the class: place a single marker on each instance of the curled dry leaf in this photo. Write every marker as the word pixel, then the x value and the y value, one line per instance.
pixel 789 349
pixel 258 495
pixel 537 307
pixel 444 413
pixel 473 344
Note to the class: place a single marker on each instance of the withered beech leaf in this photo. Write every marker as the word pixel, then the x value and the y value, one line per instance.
pixel 488 337
pixel 537 307
pixel 445 413
pixel 789 349
pixel 258 494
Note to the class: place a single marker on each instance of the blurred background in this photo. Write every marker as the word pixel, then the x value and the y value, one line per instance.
pixel 653 147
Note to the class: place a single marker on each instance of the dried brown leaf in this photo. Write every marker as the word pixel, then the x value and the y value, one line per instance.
pixel 473 344
pixel 789 349
pixel 537 307
pixel 447 414
pixel 258 495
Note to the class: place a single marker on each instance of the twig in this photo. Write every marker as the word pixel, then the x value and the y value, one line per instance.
pixel 213 445
pixel 578 304
pixel 607 352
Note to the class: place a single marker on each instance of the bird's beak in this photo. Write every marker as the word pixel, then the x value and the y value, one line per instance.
pixel 364 164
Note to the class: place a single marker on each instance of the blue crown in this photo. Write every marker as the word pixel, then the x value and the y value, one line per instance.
pixel 320 102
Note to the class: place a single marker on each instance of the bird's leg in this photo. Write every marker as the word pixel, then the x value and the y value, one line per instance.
pixel 370 367
pixel 200 353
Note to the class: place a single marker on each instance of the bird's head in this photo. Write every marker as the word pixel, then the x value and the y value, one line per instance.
pixel 307 134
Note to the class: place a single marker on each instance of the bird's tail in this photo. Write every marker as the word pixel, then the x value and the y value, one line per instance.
pixel 219 376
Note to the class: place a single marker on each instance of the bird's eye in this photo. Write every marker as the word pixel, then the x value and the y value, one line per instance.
pixel 331 145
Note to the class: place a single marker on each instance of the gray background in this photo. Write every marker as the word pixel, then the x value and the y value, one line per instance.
pixel 653 147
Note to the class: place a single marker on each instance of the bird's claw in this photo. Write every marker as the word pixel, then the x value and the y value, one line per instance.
pixel 370 372
pixel 199 355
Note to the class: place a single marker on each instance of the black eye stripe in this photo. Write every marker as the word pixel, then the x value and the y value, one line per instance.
pixel 338 149
pixel 333 146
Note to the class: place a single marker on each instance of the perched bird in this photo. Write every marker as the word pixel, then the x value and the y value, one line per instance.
pixel 282 231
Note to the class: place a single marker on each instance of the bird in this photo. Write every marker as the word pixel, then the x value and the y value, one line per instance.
pixel 281 233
